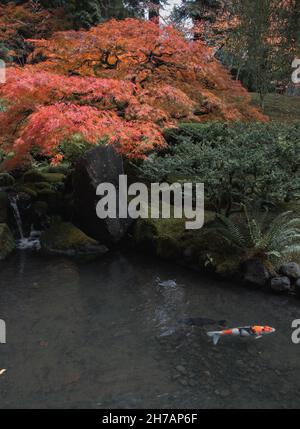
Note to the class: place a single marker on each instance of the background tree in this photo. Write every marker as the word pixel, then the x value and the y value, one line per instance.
pixel 257 40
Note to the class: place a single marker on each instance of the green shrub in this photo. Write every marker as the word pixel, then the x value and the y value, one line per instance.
pixel 238 163
pixel 75 147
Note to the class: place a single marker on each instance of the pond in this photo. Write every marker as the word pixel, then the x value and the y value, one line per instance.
pixel 105 334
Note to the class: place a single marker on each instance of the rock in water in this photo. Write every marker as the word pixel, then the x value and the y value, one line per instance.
pixel 66 239
pixel 280 284
pixel 291 270
pixel 7 242
pixel 255 272
pixel 99 165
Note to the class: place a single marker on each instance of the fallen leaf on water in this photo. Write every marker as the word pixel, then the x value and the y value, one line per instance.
pixel 2 371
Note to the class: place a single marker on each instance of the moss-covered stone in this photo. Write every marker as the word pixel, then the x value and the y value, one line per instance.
pixel 19 188
pixel 52 198
pixel 6 179
pixel 65 238
pixel 35 176
pixel 38 186
pixel 168 237
pixel 168 248
pixel 202 248
pixel 227 265
pixel 7 242
pixel 61 169
pixel 3 207
pixel 40 207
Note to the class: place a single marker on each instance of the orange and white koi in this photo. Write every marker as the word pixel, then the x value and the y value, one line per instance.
pixel 245 331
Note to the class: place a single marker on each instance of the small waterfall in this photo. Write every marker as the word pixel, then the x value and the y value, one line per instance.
pixel 13 199
pixel 24 243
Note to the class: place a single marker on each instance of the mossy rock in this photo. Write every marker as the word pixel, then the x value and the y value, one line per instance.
pixel 38 186
pixel 228 265
pixel 64 238
pixel 170 239
pixel 52 198
pixel 168 248
pixel 40 207
pixel 144 231
pixel 61 169
pixel 19 189
pixel 3 207
pixel 35 176
pixel 202 248
pixel 54 177
pixel 6 179
pixel 7 242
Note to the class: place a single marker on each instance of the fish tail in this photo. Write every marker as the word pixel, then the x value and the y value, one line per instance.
pixel 215 336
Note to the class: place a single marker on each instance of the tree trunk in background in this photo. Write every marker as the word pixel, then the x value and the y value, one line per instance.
pixel 154 10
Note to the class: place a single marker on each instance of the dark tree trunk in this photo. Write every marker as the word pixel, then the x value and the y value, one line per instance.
pixel 154 11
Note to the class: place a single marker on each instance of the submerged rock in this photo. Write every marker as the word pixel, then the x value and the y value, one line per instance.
pixel 291 270
pixel 7 242
pixel 167 283
pixel 280 284
pixel 99 165
pixel 255 272
pixel 66 239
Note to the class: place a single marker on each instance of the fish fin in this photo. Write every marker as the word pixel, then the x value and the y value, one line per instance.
pixel 215 336
pixel 257 337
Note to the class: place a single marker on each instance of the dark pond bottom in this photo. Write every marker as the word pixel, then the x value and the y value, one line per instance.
pixel 104 335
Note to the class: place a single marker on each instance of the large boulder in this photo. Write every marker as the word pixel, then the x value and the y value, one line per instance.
pixel 280 284
pixel 99 165
pixel 255 272
pixel 64 238
pixel 7 242
pixel 291 270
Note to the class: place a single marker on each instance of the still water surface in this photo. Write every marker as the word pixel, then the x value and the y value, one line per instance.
pixel 104 334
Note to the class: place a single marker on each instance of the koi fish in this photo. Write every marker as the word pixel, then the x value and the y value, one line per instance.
pixel 246 331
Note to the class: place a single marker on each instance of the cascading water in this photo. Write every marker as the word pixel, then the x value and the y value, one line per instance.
pixel 33 240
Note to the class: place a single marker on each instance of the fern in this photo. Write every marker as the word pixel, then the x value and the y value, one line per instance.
pixel 276 241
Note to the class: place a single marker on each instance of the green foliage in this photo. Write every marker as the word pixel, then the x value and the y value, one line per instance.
pixel 4 53
pixel 74 148
pixel 257 236
pixel 86 13
pixel 2 105
pixel 238 163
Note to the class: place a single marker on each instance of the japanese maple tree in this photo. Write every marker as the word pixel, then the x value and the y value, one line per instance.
pixel 121 82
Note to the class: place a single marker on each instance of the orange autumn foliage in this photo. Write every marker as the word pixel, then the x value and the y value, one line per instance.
pixel 123 81
pixel 20 21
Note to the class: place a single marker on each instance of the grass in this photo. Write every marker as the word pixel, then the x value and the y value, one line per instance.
pixel 280 107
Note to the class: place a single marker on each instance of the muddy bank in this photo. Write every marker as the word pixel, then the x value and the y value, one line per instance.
pixel 104 334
